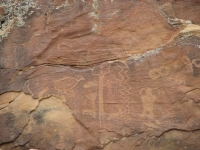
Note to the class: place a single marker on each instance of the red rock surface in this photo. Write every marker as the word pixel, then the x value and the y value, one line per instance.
pixel 95 74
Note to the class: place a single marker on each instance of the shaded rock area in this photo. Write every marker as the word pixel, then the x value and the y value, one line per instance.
pixel 99 74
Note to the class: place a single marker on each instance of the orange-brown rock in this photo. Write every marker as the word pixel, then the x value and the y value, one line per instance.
pixel 84 34
pixel 15 116
pixel 2 12
pixel 92 74
pixel 182 9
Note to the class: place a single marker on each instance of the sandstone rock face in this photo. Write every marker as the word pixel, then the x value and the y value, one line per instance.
pixel 95 74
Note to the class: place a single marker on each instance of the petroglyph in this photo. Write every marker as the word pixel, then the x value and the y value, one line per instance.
pixel 148 99
pixel 113 92
pixel 65 86
pixel 196 62
pixel 156 73
pixel 92 111
pixel 103 70
pixel 118 91
pixel 90 84
pixel 189 64
pixel 89 107
pixel 67 82
pixel 177 79
pixel 101 107
pixel 178 65
pixel 124 89
pixel 41 93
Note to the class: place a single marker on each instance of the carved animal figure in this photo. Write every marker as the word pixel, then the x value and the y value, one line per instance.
pixel 66 85
pixel 68 82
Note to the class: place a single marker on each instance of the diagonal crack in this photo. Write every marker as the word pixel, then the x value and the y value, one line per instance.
pixel 172 21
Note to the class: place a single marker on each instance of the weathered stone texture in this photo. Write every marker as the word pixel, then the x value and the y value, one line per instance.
pixel 100 74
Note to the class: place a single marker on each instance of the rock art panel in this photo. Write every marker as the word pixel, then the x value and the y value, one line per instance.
pixel 91 74
pixel 106 93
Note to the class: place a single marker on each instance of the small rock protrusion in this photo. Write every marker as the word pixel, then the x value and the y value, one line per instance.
pixel 2 11
pixel 2 16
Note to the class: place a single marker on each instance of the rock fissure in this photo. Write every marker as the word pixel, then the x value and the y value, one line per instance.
pixel 175 129
pixel 172 21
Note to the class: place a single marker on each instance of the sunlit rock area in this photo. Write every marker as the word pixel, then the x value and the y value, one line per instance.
pixel 99 74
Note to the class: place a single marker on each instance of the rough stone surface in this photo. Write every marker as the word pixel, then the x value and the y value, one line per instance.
pixel 100 74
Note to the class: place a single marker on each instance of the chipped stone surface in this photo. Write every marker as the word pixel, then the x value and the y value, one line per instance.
pixel 15 116
pixel 91 74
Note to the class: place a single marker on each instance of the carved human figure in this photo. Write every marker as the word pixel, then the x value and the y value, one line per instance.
pixel 89 99
pixel 148 99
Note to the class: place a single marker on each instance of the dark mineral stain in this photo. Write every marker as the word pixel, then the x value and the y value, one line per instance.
pixel 196 70
pixel 7 124
pixel 39 115
pixel 9 119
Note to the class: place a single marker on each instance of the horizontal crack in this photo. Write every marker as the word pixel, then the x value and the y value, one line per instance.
pixel 135 57
pixel 120 138
pixel 176 129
